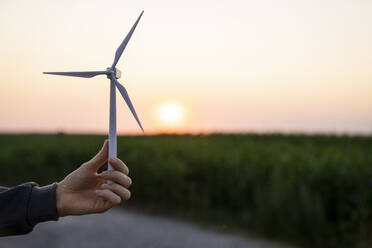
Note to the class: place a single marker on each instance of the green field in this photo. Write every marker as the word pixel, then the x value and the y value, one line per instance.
pixel 315 191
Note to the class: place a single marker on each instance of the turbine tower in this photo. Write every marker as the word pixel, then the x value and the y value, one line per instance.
pixel 113 74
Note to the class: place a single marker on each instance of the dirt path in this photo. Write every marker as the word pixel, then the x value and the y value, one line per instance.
pixel 118 228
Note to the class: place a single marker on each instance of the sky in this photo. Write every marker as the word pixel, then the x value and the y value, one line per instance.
pixel 227 66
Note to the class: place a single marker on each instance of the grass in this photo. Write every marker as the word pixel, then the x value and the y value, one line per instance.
pixel 312 190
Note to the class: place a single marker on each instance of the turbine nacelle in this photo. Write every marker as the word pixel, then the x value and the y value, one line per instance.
pixel 117 73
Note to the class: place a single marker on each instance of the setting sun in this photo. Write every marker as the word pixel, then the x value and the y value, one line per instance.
pixel 170 113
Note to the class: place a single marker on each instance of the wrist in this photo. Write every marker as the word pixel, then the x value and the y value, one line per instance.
pixel 60 200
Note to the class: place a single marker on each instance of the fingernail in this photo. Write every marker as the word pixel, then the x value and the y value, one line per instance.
pixel 98 191
pixel 105 173
pixel 113 160
pixel 104 185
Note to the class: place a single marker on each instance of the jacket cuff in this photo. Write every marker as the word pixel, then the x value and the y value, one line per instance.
pixel 43 204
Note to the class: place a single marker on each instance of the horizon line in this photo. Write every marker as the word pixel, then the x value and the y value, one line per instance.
pixel 216 132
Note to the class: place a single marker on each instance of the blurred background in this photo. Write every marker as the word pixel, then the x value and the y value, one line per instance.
pixel 256 115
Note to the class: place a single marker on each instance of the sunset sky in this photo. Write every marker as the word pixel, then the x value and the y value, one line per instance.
pixel 191 66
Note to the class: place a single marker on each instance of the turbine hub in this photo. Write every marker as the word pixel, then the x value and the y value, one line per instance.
pixel 113 72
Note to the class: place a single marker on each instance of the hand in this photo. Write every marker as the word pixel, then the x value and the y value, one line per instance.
pixel 84 191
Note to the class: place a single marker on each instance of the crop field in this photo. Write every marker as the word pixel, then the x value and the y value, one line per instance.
pixel 312 190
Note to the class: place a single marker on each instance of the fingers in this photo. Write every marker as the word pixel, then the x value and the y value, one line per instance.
pixel 118 190
pixel 99 159
pixel 109 196
pixel 119 165
pixel 117 177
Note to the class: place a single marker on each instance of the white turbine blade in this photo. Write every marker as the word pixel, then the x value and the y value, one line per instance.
pixel 125 95
pixel 122 46
pixel 84 74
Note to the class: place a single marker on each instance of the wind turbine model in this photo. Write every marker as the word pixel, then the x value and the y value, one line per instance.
pixel 113 74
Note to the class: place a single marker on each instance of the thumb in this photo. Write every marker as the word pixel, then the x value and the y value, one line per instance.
pixel 100 158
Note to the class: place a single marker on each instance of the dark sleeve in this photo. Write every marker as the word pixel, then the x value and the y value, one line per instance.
pixel 25 205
